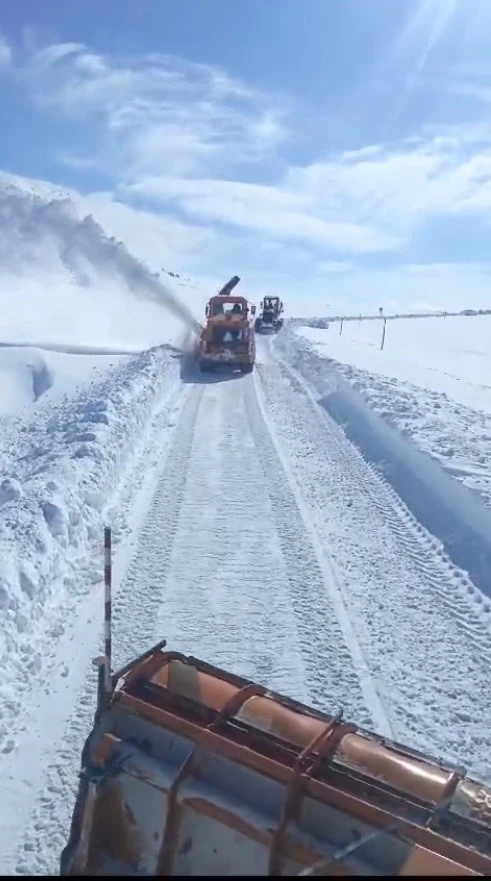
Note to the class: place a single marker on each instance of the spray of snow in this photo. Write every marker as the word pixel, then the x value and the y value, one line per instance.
pixel 64 280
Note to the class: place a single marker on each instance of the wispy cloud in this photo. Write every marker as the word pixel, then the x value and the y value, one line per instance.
pixel 359 202
pixel 183 133
pixel 278 211
pixel 399 187
pixel 473 90
pixel 156 113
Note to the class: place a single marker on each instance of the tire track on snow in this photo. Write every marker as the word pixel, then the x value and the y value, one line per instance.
pixel 336 668
pixel 453 587
pixel 432 678
pixel 226 597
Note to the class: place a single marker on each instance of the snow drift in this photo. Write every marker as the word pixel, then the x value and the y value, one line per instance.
pixel 32 375
pixel 429 383
pixel 61 467
pixel 24 378
pixel 449 509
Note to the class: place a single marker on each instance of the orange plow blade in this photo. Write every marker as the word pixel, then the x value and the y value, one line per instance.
pixel 192 771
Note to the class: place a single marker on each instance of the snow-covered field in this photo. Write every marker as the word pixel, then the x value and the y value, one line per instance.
pixel 270 523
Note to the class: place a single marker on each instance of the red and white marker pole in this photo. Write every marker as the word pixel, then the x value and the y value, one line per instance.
pixel 107 611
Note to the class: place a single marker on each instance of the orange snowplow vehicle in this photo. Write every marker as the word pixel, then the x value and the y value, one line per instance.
pixel 227 338
pixel 190 770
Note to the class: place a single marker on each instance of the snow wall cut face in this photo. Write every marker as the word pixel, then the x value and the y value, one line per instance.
pixel 443 506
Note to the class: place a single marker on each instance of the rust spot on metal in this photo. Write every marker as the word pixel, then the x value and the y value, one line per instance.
pixel 102 750
pixel 186 846
pixel 423 862
pixel 115 836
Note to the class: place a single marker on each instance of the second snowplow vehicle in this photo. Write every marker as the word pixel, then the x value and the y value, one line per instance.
pixel 269 319
pixel 227 338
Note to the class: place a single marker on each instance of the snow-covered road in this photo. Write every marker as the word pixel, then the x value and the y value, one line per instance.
pixel 259 539
pixel 416 617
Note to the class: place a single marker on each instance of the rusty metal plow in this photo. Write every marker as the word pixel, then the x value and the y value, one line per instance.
pixel 231 708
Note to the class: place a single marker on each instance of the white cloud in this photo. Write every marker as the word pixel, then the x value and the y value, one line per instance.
pixel 44 59
pixel 160 114
pixel 179 131
pixel 476 91
pixel 357 202
pixel 445 174
pixel 279 212
pixel 306 285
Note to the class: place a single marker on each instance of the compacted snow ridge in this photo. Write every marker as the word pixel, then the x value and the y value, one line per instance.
pixel 60 467
pixel 448 508
pixel 71 705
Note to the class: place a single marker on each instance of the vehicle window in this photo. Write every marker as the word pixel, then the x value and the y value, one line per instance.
pixel 227 309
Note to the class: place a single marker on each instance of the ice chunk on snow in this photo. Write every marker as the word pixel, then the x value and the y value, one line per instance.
pixel 56 519
pixel 10 490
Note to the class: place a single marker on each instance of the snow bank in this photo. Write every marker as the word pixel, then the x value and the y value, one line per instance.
pixel 59 471
pixel 30 376
pixel 22 380
pixel 438 503
pixel 429 382
pixel 448 510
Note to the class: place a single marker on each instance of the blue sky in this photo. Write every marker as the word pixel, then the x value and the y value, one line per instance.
pixel 333 145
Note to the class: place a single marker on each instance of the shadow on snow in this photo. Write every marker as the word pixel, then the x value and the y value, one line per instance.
pixel 441 504
pixel 190 373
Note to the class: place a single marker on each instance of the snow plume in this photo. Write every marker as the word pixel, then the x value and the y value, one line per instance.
pixel 63 280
